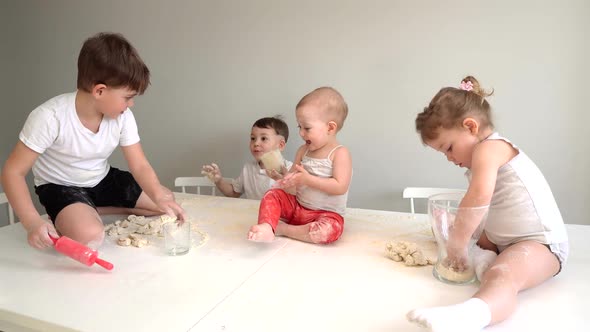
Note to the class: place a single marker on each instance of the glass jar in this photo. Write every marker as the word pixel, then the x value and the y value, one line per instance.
pixel 456 230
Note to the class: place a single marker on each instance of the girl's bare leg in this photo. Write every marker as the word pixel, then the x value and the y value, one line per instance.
pixel 521 266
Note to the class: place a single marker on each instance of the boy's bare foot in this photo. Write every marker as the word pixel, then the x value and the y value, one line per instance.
pixel 261 233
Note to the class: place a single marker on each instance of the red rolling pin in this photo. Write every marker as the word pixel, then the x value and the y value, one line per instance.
pixel 79 252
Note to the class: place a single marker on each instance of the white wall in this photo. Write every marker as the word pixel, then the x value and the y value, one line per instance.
pixel 219 65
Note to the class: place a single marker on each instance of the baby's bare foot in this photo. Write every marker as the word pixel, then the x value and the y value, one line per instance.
pixel 261 233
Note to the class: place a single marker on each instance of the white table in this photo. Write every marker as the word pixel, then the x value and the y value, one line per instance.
pixel 229 283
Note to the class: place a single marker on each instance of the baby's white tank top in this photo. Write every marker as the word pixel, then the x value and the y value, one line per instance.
pixel 315 199
pixel 522 206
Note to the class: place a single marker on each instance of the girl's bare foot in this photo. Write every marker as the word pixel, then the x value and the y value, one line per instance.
pixel 470 316
pixel 261 233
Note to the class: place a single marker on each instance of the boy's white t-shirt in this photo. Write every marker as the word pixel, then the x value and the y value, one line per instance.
pixel 71 154
pixel 253 182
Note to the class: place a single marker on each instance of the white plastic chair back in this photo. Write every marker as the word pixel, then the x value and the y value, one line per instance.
pixel 195 181
pixel 4 200
pixel 424 192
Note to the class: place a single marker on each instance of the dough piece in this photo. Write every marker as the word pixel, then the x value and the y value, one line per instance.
pixel 139 242
pixel 150 231
pixel 142 229
pixel 124 241
pixel 451 274
pixel 166 219
pixel 407 252
pixel 134 236
pixel 138 220
pixel 273 160
pixel 112 231
pixel 209 175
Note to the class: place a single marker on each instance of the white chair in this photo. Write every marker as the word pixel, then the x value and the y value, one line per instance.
pixel 195 181
pixel 423 192
pixel 3 200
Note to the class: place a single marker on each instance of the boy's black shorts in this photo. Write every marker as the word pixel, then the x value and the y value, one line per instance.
pixel 118 189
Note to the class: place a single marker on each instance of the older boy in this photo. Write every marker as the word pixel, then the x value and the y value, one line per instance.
pixel 67 141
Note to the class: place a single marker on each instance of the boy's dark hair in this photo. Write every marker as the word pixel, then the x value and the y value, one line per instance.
pixel 275 123
pixel 108 58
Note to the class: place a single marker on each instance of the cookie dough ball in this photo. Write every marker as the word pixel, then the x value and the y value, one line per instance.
pixel 272 160
pixel 124 241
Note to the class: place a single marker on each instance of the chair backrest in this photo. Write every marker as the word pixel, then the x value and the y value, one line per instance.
pixel 4 200
pixel 423 192
pixel 195 181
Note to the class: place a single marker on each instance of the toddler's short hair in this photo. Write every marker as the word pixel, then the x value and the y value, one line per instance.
pixel 275 123
pixel 108 58
pixel 330 101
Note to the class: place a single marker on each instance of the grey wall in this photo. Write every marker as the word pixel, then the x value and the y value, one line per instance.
pixel 219 65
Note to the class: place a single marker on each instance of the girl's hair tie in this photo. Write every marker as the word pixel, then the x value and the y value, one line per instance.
pixel 466 85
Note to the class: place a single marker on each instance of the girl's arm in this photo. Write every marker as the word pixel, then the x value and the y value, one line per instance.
pixel 15 169
pixel 147 179
pixel 487 158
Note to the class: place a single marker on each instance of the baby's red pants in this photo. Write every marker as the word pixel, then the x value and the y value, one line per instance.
pixel 324 226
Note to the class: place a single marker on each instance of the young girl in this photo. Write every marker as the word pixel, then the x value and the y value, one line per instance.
pixel 320 176
pixel 267 135
pixel 524 225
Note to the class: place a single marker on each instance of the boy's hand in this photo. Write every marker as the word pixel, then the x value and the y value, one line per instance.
pixel 212 172
pixel 167 204
pixel 38 234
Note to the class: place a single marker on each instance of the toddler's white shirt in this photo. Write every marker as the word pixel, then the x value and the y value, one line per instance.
pixel 253 182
